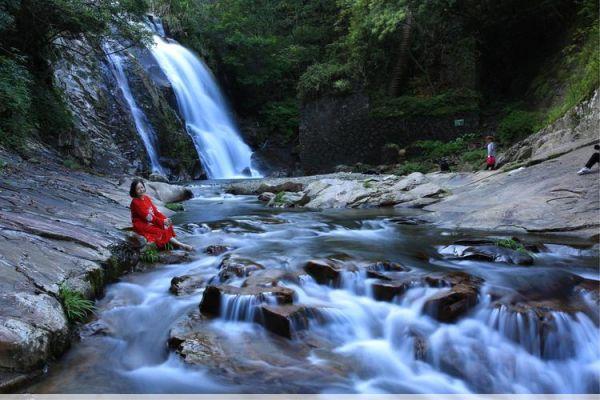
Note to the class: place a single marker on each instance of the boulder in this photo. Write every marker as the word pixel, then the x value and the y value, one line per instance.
pixel 213 295
pixel 186 284
pixel 33 328
pixel 158 178
pixel 169 193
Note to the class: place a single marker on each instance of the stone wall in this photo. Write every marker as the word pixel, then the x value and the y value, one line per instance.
pixel 341 130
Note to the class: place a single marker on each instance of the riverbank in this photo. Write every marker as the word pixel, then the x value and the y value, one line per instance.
pixel 57 226
pixel 537 189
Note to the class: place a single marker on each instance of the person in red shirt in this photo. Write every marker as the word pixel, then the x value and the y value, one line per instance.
pixel 148 221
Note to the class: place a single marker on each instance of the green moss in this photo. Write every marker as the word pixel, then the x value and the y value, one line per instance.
pixel 512 245
pixel 174 206
pixel 367 185
pixel 76 307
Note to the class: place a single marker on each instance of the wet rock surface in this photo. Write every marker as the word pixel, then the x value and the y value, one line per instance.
pixel 487 252
pixel 57 225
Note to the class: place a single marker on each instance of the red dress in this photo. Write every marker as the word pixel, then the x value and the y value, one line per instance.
pixel 154 230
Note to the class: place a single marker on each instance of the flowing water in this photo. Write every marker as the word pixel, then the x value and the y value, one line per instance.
pixel 142 124
pixel 207 117
pixel 352 343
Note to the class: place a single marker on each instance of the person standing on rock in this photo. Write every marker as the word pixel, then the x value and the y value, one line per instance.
pixel 595 158
pixel 491 153
pixel 148 221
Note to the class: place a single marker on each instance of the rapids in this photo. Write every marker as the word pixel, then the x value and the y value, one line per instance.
pixel 353 344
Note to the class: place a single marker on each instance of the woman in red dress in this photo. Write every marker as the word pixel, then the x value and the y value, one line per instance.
pixel 148 221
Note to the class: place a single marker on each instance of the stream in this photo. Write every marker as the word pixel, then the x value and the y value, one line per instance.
pixel 353 343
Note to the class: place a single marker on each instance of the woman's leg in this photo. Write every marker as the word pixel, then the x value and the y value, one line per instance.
pixel 182 245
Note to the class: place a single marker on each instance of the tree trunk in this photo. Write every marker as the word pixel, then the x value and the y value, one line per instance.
pixel 401 61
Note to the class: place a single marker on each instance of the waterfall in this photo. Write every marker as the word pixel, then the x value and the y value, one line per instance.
pixel 142 125
pixel 207 118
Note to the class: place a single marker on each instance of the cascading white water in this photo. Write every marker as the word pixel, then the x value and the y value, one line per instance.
pixel 221 149
pixel 142 125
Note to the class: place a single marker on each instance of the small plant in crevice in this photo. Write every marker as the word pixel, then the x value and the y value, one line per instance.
pixel 279 198
pixel 149 254
pixel 169 246
pixel 76 307
pixel 512 244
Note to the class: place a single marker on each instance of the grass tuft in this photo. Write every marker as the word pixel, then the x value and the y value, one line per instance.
pixel 75 305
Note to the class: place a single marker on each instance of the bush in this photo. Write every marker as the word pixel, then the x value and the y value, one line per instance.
pixel 75 305
pixel 517 125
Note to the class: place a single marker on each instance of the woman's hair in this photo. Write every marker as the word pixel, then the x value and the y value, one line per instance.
pixel 134 183
pixel 489 138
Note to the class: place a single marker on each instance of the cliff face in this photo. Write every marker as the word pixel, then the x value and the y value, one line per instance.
pixel 104 136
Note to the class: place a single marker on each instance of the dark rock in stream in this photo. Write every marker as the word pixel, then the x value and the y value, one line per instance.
pixel 232 267
pixel 378 270
pixel 284 320
pixel 217 249
pixel 213 296
pixel 450 304
pixel 186 284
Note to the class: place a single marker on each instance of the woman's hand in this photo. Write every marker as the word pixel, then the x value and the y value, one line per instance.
pixel 167 222
pixel 150 215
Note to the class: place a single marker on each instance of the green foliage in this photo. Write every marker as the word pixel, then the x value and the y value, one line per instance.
pixel 516 125
pixel 322 79
pixel 174 206
pixel 76 307
pixel 474 157
pixel 367 185
pixel 443 104
pixel 583 66
pixel 150 254
pixel 436 149
pixel 512 245
pixel 15 102
pixel 30 34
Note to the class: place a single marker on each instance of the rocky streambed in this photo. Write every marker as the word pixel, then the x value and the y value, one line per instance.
pixel 298 300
